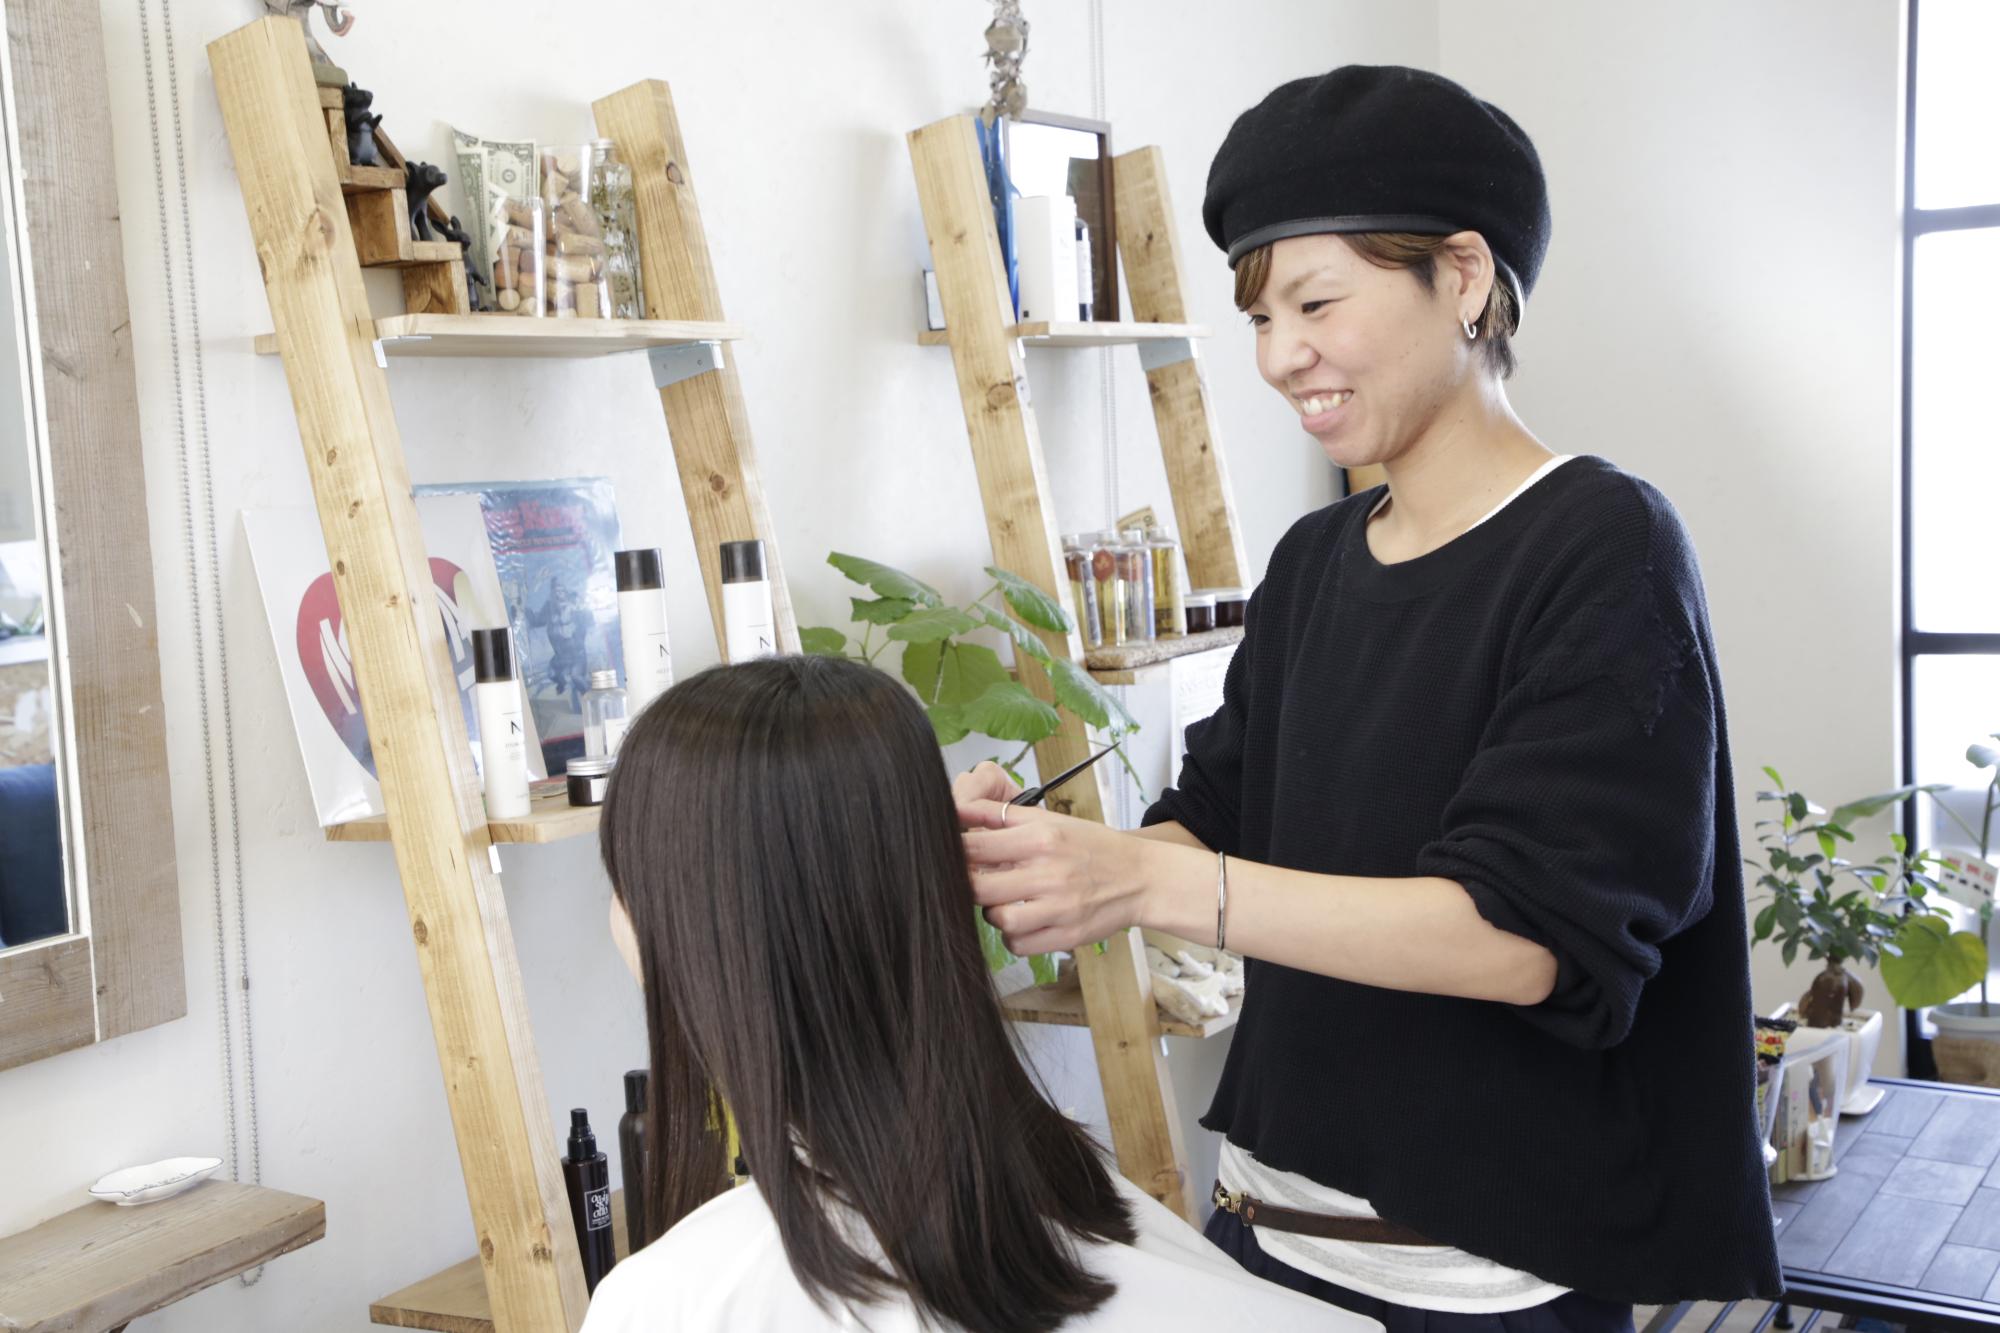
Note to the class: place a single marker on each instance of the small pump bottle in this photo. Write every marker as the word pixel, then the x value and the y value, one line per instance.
pixel 588 1177
pixel 746 603
pixel 496 697
pixel 642 625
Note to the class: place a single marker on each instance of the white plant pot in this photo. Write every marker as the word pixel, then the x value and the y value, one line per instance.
pixel 1862 1031
pixel 1864 1038
pixel 1967 1048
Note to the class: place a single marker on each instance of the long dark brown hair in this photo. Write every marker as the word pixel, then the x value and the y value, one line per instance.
pixel 784 837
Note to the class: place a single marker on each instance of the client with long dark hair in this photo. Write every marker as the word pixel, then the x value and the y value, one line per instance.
pixel 790 888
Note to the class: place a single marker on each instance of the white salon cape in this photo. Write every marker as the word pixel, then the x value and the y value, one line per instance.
pixel 723 1270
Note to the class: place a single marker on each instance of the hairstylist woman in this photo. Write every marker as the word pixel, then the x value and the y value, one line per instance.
pixel 1467 804
pixel 789 885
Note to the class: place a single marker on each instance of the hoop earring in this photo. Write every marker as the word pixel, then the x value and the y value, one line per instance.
pixel 1470 332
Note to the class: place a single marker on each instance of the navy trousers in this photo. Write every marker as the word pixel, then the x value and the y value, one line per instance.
pixel 1574 1313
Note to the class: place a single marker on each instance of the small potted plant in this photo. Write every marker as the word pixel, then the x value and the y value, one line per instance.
pixel 1967 1049
pixel 1881 914
pixel 964 686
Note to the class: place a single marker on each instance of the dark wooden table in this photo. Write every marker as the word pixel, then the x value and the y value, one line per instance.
pixel 1908 1230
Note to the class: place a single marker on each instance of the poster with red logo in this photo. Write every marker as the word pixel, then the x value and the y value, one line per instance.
pixel 313 655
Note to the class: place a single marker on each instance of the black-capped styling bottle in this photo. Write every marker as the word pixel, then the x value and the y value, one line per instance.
pixel 642 627
pixel 748 632
pixel 503 737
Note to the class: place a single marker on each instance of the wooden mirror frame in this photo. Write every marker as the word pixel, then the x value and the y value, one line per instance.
pixel 119 969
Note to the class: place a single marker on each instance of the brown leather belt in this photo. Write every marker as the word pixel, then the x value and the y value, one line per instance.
pixel 1255 1212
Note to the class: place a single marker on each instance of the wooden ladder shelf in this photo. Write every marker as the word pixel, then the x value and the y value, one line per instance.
pixel 986 351
pixel 299 197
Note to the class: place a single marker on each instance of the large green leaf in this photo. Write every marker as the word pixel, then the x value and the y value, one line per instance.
pixel 886 580
pixel 823 642
pixel 1870 805
pixel 1031 603
pixel 1078 691
pixel 1043 966
pixel 948 721
pixel 932 624
pixel 952 673
pixel 1006 711
pixel 883 610
pixel 1025 639
pixel 1932 963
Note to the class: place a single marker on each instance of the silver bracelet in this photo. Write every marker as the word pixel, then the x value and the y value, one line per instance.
pixel 1221 898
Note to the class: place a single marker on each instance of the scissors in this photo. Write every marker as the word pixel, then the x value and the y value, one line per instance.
pixel 1035 795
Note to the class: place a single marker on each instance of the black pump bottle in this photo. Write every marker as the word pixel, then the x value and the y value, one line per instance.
pixel 588 1177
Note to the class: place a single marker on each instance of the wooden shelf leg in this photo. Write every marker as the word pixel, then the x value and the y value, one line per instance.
pixel 706 419
pixel 1204 506
pixel 354 454
pixel 1020 519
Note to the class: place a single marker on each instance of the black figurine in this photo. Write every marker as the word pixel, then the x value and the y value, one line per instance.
pixel 421 179
pixel 476 285
pixel 361 149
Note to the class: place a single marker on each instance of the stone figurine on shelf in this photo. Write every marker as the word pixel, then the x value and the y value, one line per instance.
pixel 1833 993
pixel 476 286
pixel 361 148
pixel 338 20
pixel 422 180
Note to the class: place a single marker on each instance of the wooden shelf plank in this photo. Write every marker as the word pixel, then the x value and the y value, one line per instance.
pixel 1046 333
pixel 549 819
pixel 365 180
pixel 512 335
pixel 421 252
pixel 454 1301
pixel 100 1265
pixel 1061 1003
pixel 1134 662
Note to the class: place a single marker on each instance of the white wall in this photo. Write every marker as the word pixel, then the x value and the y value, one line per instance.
pixel 1719 314
pixel 794 114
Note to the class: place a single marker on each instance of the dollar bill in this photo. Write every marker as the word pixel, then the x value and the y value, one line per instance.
pixel 492 171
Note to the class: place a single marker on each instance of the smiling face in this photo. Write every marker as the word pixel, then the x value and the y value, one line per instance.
pixel 1369 357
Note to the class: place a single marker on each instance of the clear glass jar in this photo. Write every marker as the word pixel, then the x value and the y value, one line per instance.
pixel 1107 573
pixel 616 207
pixel 604 715
pixel 1135 568
pixel 1169 589
pixel 1077 551
pixel 519 230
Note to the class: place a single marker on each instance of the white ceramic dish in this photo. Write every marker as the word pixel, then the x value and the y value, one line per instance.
pixel 159 1180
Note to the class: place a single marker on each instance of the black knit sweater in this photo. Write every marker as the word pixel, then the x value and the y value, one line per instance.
pixel 1533 711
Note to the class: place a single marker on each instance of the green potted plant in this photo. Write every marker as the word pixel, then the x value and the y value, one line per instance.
pixel 964 685
pixel 1881 913
pixel 1968 1041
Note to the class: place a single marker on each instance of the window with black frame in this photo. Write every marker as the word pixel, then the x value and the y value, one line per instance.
pixel 1951 421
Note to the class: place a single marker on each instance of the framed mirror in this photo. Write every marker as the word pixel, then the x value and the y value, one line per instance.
pixel 90 940
pixel 1054 154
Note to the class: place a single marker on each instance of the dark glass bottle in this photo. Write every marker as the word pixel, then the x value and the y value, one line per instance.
pixel 632 1159
pixel 588 1177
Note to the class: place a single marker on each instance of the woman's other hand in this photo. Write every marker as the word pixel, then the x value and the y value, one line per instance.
pixel 1050 881
pixel 988 782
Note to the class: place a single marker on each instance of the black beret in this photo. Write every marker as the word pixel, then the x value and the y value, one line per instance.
pixel 1380 148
